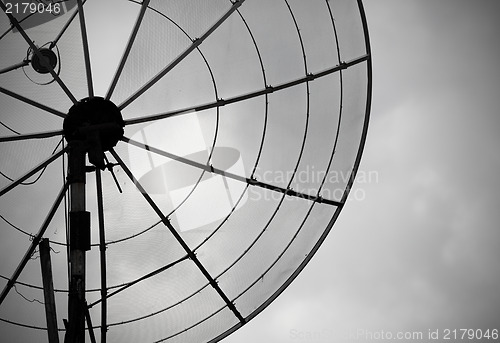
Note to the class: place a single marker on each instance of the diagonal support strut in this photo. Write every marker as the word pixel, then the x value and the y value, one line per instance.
pixel 179 239
pixel 34 243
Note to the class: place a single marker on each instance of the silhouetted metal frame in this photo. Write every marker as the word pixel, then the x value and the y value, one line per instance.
pixel 249 181
pixel 268 90
pixel 214 83
pixel 196 42
pixel 35 49
pixel 217 118
pixel 346 192
pixel 290 84
pixel 196 184
pixel 173 231
pixel 212 169
pixel 272 217
pixel 52 45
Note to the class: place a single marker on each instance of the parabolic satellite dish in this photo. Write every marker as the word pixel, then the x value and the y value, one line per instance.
pixel 173 165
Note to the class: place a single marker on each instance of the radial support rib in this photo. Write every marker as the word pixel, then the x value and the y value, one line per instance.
pixel 267 90
pixel 27 136
pixel 251 182
pixel 32 102
pixel 34 243
pixel 136 281
pixel 179 239
pixel 65 27
pixel 131 41
pixel 33 171
pixel 86 52
pixel 14 67
pixel 195 44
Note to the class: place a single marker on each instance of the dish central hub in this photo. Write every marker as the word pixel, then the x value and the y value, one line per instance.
pixel 44 67
pixel 97 123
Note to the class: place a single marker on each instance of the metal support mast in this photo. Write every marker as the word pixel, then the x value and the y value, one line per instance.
pixel 79 238
pixel 93 125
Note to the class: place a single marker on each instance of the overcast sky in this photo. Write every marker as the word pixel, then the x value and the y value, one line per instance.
pixel 421 251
